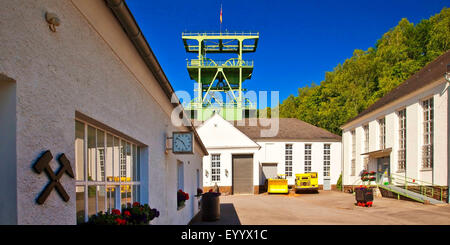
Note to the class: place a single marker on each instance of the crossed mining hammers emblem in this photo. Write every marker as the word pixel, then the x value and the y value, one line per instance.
pixel 43 164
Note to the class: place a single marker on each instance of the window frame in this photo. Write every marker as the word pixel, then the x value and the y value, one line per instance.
pixel 134 185
pixel 308 162
pixel 288 153
pixel 353 159
pixel 382 132
pixel 428 133
pixel 215 165
pixel 366 145
pixel 402 140
pixel 326 160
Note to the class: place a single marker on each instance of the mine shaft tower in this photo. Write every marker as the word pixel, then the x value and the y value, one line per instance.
pixel 220 77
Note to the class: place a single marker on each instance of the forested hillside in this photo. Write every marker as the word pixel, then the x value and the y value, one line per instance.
pixel 368 75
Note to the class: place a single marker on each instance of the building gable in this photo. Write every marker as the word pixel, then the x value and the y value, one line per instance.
pixel 217 132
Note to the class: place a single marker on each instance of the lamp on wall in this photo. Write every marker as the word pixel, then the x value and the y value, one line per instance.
pixel 206 173
pixel 226 172
pixel 52 20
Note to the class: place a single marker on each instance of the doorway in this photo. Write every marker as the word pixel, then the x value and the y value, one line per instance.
pixel 383 166
pixel 8 166
pixel 242 174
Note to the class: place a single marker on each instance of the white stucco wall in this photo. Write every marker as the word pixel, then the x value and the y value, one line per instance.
pixel 88 65
pixel 414 127
pixel 221 137
pixel 277 155
pixel 226 162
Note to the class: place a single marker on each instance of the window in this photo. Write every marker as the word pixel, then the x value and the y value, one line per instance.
pixel 402 140
pixel 180 175
pixel 288 159
pixel 326 160
pixel 197 174
pixel 366 145
pixel 353 165
pixel 215 167
pixel 307 158
pixel 427 148
pixel 99 187
pixel 382 123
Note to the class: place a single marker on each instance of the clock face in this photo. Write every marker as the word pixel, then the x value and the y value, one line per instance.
pixel 182 142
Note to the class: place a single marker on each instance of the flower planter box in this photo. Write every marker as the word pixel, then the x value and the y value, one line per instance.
pixel 364 196
pixel 182 197
pixel 135 214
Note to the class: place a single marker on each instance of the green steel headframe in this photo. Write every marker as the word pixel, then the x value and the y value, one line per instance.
pixel 220 77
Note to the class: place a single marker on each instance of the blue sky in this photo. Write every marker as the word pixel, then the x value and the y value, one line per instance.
pixel 299 40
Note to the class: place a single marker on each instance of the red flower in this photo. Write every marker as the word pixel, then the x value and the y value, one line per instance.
pixel 127 213
pixel 115 211
pixel 120 221
pixel 187 196
pixel 135 204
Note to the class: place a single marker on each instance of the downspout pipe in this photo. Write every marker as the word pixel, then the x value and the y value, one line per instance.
pixel 342 162
pixel 134 33
pixel 447 77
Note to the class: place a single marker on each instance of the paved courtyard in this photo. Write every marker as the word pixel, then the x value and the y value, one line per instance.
pixel 325 208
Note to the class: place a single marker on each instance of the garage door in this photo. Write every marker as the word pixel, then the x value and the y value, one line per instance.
pixel 269 171
pixel 242 174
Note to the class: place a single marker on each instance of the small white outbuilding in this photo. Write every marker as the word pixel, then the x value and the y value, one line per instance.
pixel 242 155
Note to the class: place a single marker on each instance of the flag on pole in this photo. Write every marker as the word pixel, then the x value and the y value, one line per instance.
pixel 221 14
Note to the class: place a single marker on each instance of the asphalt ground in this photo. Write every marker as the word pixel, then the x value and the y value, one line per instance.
pixel 324 208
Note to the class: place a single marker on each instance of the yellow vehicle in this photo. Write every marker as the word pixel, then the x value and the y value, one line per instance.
pixel 278 185
pixel 123 188
pixel 306 181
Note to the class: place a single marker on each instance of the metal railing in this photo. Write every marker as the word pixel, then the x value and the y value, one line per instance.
pixel 424 188
pixel 219 63
pixel 196 105
pixel 418 186
pixel 184 34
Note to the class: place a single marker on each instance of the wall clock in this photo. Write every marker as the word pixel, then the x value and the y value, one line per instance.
pixel 182 143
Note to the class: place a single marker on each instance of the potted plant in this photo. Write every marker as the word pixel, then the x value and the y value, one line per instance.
pixel 135 214
pixel 199 192
pixel 182 197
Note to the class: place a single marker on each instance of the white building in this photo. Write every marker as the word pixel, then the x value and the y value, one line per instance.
pixel 89 88
pixel 241 158
pixel 405 132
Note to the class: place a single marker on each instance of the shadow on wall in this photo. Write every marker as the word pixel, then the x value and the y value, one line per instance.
pixel 228 216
